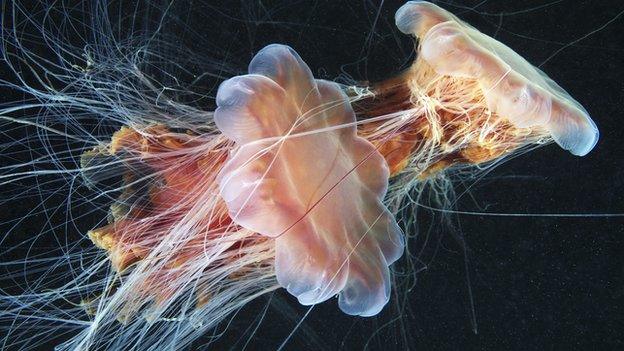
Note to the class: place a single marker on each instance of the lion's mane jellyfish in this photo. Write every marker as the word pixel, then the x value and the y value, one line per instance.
pixel 294 182
pixel 291 183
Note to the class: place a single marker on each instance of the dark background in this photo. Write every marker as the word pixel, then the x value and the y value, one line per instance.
pixel 529 281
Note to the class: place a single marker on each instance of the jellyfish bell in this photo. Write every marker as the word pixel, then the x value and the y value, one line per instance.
pixel 456 58
pixel 302 176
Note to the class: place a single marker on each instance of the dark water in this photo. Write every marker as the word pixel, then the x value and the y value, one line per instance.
pixel 537 264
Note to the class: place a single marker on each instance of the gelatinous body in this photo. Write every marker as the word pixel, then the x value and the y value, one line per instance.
pixel 466 100
pixel 512 87
pixel 302 176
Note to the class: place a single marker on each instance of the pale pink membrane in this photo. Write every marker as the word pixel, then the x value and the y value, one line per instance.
pixel 512 87
pixel 301 175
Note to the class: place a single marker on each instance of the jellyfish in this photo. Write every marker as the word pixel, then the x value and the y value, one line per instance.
pixel 295 182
